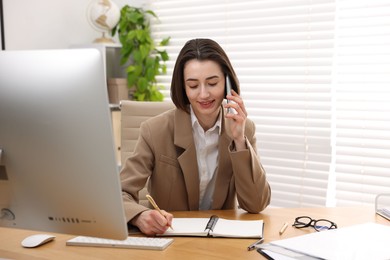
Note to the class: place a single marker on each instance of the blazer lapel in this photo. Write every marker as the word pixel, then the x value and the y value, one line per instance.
pixel 183 138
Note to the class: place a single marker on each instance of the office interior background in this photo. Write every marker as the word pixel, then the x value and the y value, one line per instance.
pixel 314 77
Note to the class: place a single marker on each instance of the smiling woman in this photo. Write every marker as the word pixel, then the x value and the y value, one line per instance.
pixel 196 156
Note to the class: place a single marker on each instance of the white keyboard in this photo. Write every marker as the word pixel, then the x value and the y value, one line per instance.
pixel 131 242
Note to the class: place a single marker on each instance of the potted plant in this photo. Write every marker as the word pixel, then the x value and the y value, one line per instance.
pixel 139 50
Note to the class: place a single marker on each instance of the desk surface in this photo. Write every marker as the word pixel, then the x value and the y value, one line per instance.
pixel 190 247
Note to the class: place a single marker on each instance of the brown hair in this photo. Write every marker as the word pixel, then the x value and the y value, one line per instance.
pixel 200 49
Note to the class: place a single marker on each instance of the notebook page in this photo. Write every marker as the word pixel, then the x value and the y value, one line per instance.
pixel 238 228
pixel 188 227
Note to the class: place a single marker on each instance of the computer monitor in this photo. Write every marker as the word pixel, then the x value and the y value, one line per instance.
pixel 58 171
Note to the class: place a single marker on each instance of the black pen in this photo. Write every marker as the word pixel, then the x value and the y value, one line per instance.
pixel 253 246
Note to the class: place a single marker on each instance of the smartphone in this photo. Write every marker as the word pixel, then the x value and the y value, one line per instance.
pixel 228 92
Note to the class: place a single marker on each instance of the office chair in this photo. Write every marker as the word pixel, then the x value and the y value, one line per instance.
pixel 133 113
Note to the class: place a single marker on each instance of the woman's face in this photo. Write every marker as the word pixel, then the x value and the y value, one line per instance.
pixel 205 88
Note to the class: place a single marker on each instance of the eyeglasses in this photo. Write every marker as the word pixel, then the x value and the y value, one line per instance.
pixel 318 225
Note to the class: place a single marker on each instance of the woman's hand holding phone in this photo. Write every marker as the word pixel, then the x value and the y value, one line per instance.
pixel 237 116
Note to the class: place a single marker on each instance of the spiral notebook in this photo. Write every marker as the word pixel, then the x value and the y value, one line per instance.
pixel 216 227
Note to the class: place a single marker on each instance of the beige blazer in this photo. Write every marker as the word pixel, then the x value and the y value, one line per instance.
pixel 166 153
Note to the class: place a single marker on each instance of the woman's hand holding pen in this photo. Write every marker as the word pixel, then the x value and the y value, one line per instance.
pixel 237 122
pixel 152 222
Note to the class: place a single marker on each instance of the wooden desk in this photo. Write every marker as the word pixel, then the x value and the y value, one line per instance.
pixel 187 247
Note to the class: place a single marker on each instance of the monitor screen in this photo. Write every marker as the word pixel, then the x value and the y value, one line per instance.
pixel 58 170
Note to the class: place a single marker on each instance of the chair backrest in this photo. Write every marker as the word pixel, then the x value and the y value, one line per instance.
pixel 133 113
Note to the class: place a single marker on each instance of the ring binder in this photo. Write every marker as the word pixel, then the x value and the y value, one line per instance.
pixel 212 222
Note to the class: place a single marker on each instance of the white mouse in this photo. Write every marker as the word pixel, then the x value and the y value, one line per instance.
pixel 37 240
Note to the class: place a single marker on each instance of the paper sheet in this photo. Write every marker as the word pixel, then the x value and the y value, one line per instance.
pixel 364 241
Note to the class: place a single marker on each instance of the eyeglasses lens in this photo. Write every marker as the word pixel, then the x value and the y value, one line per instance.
pixel 302 222
pixel 322 225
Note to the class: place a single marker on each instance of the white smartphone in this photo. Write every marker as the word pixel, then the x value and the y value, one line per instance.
pixel 228 92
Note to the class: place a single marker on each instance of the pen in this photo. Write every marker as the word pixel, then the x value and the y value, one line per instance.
pixel 281 231
pixel 253 246
pixel 154 204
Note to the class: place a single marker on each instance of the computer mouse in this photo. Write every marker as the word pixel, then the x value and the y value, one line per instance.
pixel 37 240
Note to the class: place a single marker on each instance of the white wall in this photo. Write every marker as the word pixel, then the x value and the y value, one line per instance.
pixel 49 24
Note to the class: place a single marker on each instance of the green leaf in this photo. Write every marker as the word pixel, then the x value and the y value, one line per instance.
pixel 151 13
pixel 142 84
pixel 131 69
pixel 139 35
pixel 164 69
pixel 144 50
pixel 137 55
pixel 139 96
pixel 150 75
pixel 165 41
pixel 138 70
pixel 164 55
pixel 131 79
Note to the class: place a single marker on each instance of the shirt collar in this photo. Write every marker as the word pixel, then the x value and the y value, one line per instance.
pixel 195 121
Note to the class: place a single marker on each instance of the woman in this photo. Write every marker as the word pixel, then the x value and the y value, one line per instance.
pixel 196 156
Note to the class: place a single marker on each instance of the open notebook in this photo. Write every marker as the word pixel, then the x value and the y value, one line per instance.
pixel 216 227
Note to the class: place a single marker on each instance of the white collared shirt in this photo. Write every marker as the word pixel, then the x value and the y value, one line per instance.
pixel 207 156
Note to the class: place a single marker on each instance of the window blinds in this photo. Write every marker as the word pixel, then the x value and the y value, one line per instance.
pixel 362 101
pixel 314 76
pixel 282 52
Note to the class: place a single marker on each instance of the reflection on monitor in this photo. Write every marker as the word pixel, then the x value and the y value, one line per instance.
pixel 58 170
